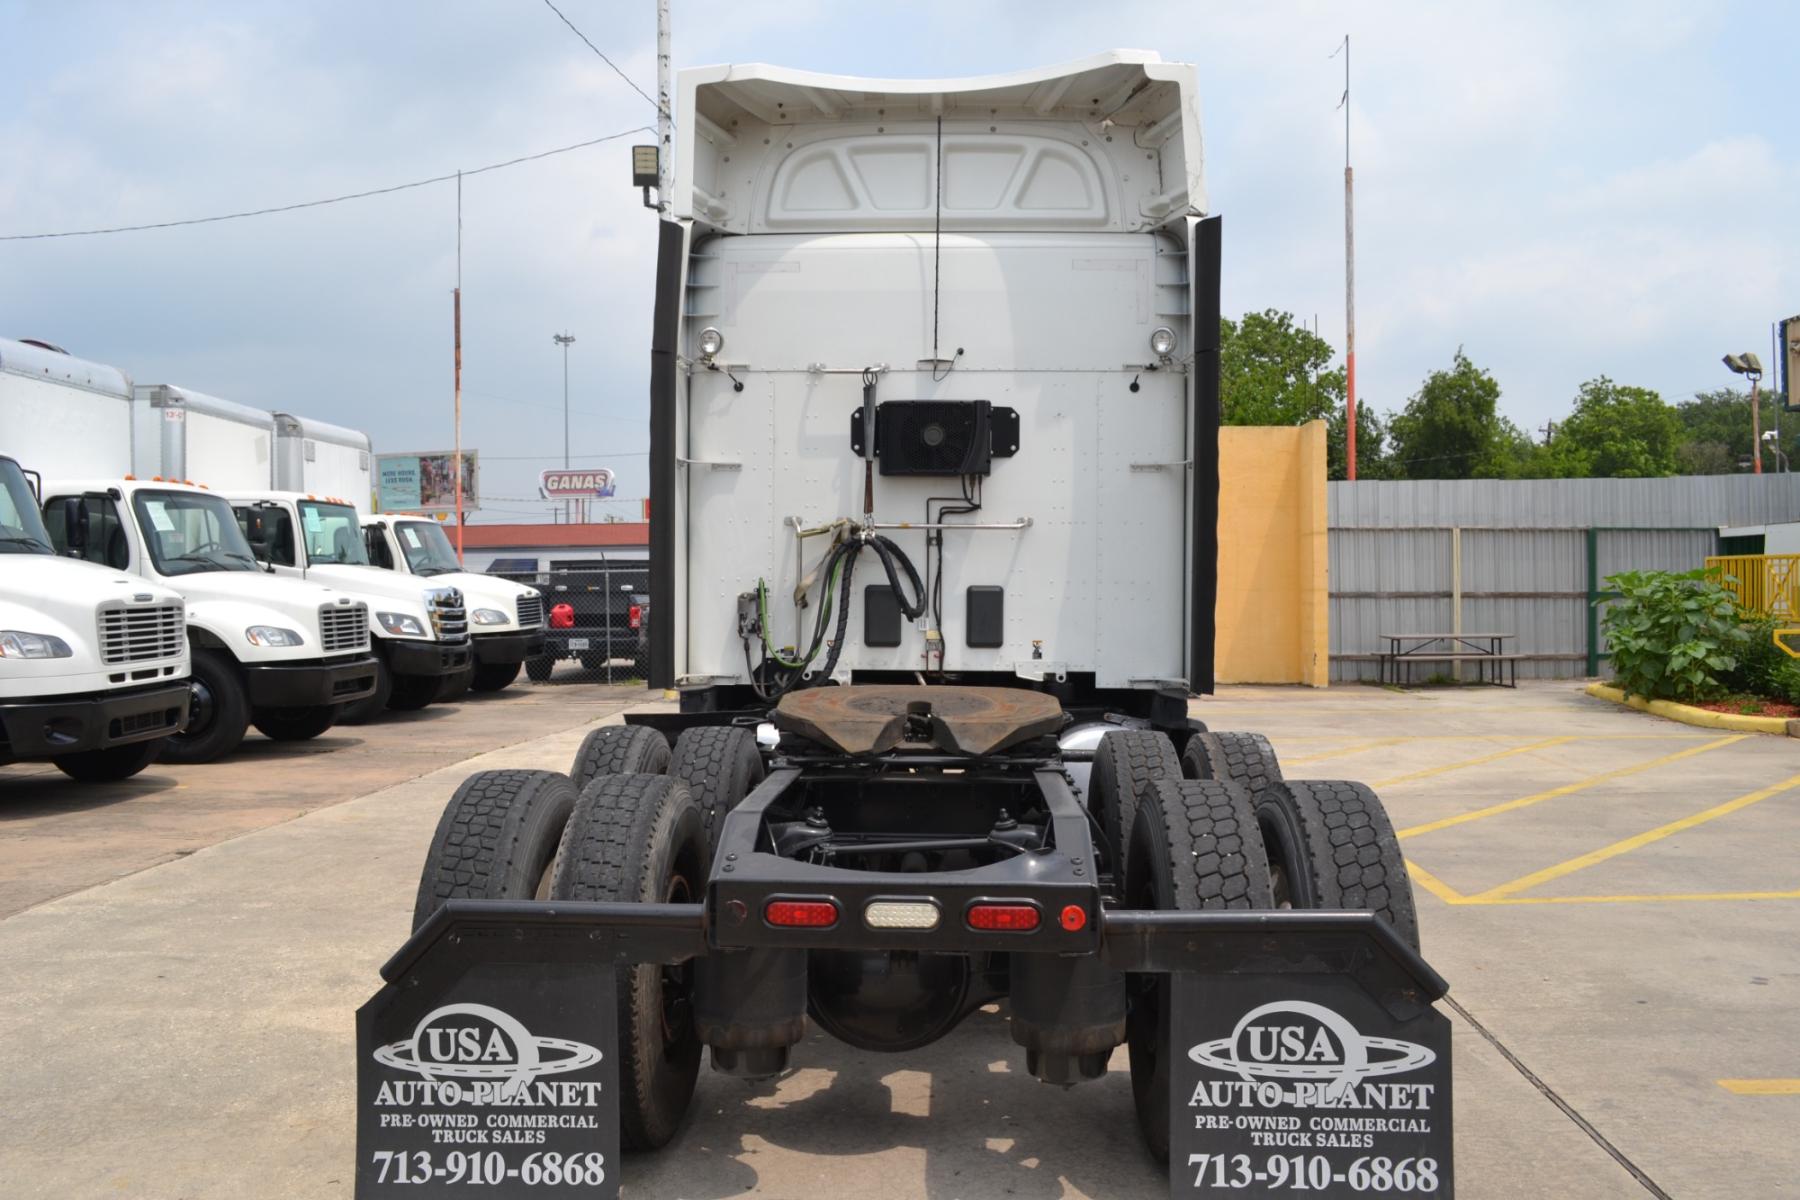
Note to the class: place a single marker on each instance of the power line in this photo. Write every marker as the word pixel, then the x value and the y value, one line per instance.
pixel 281 208
pixel 609 62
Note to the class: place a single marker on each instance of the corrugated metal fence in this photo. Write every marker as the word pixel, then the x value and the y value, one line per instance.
pixel 1526 557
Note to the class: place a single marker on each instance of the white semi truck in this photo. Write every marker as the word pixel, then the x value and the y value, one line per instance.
pixel 506 619
pixel 93 662
pixel 420 627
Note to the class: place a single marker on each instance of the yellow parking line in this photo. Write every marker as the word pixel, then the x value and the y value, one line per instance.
pixel 1761 1087
pixel 1434 885
pixel 1632 843
pixel 1377 744
pixel 1647 898
pixel 1569 788
pixel 1472 762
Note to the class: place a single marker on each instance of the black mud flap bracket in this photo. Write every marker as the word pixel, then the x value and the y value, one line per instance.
pixel 1305 1054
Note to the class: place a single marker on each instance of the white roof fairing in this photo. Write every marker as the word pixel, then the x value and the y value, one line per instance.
pixel 1107 142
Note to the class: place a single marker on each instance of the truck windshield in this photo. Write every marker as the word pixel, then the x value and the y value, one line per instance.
pixel 21 529
pixel 333 534
pixel 426 547
pixel 187 533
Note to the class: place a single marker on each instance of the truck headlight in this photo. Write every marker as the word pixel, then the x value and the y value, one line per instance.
pixel 1162 341
pixel 401 625
pixel 711 342
pixel 490 616
pixel 16 643
pixel 273 635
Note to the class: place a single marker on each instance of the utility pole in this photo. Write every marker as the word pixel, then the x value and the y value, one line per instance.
pixel 565 340
pixel 456 320
pixel 1349 280
pixel 665 120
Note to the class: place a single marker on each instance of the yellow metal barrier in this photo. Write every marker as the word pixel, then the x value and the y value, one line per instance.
pixel 1792 650
pixel 1763 583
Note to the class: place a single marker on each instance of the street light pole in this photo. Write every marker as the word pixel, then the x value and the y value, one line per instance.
pixel 565 340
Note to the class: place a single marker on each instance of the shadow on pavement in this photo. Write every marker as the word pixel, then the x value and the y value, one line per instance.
pixel 39 795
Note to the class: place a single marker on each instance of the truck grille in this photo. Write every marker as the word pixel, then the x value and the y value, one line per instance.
pixel 449 619
pixel 531 611
pixel 343 627
pixel 129 635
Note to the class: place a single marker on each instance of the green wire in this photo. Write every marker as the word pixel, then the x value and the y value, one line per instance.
pixel 762 611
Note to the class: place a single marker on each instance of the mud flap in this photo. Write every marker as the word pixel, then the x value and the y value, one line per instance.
pixel 486 1068
pixel 1293 1083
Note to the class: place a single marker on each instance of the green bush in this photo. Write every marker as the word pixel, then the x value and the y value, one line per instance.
pixel 1673 636
pixel 1763 668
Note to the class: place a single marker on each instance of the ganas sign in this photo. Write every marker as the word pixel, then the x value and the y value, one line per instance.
pixel 577 483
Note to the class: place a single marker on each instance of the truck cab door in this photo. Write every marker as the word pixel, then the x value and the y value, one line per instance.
pixel 376 543
pixel 106 541
pixel 270 531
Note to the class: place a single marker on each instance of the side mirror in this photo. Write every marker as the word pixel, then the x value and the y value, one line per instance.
pixel 75 525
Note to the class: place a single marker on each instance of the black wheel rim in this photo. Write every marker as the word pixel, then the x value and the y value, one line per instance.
pixel 677 985
pixel 202 708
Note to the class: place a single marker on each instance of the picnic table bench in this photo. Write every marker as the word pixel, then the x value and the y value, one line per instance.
pixel 1482 649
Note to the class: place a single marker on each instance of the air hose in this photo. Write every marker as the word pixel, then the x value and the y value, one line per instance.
pixel 838 571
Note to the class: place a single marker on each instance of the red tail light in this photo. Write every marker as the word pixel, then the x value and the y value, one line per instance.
pixel 635 614
pixel 801 914
pixel 562 616
pixel 1004 918
pixel 1074 918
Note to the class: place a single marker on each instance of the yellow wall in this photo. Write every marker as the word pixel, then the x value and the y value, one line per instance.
pixel 1272 613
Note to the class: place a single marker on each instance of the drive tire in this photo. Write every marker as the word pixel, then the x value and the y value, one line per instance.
pixel 1331 845
pixel 720 765
pixel 367 708
pixel 538 669
pixel 1195 847
pixel 492 677
pixel 218 706
pixel 620 750
pixel 1245 758
pixel 497 839
pixel 111 764
pixel 638 839
pixel 1126 763
pixel 294 724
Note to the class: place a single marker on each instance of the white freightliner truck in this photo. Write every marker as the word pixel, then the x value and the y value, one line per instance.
pixel 284 655
pixel 964 334
pixel 420 627
pixel 93 662
pixel 506 619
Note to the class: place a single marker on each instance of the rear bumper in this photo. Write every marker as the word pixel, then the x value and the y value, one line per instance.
pixel 493 649
pixel 306 685
pixel 67 725
pixel 430 660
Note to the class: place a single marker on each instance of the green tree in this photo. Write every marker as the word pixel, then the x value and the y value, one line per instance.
pixel 1715 429
pixel 1273 372
pixel 1371 445
pixel 1451 429
pixel 1616 432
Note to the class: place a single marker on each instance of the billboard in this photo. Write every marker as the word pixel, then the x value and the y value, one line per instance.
pixel 424 482
pixel 584 483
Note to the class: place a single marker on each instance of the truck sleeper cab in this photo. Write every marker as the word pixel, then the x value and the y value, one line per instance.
pixel 421 638
pixel 93 663
pixel 283 655
pixel 506 620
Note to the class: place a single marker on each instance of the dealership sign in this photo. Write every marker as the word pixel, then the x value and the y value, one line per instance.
pixel 597 482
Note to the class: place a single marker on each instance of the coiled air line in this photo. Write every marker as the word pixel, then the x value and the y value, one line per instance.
pixel 838 572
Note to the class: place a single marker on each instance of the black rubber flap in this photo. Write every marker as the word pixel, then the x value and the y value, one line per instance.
pixel 1282 1084
pixel 483 1077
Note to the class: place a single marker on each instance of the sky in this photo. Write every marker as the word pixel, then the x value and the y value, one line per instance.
pixel 1561 190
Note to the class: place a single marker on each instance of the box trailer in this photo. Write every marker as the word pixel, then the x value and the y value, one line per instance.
pixel 323 459
pixel 934 466
pixel 185 434
pixel 60 414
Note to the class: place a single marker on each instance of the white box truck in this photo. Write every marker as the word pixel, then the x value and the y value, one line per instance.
pixel 506 619
pixel 179 433
pixel 93 662
pixel 420 627
pixel 324 459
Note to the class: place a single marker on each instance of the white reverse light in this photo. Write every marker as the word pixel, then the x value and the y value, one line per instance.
pixel 901 914
pixel 1162 341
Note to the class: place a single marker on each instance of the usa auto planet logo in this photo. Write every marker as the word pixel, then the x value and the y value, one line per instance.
pixel 477 1042
pixel 1311 1045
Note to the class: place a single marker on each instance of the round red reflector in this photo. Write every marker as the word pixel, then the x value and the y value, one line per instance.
pixel 1004 918
pixel 1074 918
pixel 801 914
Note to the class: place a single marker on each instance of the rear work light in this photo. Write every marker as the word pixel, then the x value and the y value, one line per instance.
pixel 901 914
pixel 562 616
pixel 801 914
pixel 1004 918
